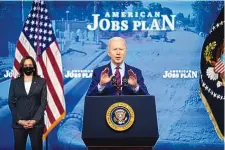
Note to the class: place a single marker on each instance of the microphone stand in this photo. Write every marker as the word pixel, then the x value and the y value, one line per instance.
pixel 119 89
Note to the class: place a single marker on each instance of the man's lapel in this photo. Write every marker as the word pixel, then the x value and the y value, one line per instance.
pixel 126 89
pixel 126 71
pixel 110 88
pixel 110 69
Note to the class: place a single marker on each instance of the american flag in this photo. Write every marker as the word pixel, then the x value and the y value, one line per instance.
pixel 37 39
pixel 219 66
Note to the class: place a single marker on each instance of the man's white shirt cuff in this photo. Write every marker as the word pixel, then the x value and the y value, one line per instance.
pixel 100 88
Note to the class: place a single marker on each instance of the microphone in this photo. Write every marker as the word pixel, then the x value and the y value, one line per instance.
pixel 124 81
pixel 118 87
pixel 114 81
pixel 115 84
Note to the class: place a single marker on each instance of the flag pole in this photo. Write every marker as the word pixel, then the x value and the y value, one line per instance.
pixel 22 11
pixel 46 143
pixel 38 52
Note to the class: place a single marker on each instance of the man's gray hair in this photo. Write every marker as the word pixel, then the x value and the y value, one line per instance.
pixel 116 38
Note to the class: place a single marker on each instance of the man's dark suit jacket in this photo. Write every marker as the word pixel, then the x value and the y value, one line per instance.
pixel 29 106
pixel 110 89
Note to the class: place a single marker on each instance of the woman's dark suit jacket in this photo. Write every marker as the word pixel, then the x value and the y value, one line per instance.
pixel 29 106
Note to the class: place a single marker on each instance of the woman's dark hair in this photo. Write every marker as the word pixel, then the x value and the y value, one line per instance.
pixel 22 65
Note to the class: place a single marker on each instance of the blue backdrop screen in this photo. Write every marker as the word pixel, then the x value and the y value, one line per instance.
pixel 164 40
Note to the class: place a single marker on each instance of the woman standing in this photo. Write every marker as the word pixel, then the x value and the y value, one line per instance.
pixel 27 102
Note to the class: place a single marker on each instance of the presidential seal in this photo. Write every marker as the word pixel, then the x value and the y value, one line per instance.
pixel 120 116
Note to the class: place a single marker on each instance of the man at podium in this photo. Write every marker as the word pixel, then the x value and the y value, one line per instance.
pixel 117 78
